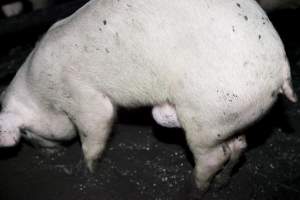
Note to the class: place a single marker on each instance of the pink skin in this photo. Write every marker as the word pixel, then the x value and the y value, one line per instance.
pixel 9 130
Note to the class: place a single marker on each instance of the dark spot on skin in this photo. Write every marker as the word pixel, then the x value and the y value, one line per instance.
pixel 100 29
pixel 227 94
pixel 106 50
pixel 97 49
pixel 259 37
pixel 246 18
pixel 128 5
pixel 219 135
pixel 264 20
pixel 245 64
pixel 238 5
pixel 233 28
pixel 104 22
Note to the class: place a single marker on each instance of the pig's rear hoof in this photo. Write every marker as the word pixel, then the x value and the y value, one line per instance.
pixel 82 169
pixel 91 165
pixel 190 191
pixel 220 182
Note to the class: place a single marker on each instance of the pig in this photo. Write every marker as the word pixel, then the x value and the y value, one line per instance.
pixel 271 5
pixel 210 67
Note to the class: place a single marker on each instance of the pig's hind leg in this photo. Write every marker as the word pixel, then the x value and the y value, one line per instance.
pixel 92 113
pixel 203 137
pixel 237 146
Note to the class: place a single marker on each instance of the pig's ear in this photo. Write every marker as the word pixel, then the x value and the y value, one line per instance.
pixel 9 129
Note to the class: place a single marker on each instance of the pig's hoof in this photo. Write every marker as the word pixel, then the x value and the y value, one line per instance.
pixel 81 169
pixel 91 165
pixel 191 191
pixel 220 181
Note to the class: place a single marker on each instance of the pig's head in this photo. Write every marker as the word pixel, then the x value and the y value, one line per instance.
pixel 9 129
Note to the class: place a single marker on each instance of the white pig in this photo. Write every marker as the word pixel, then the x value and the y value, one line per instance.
pixel 211 67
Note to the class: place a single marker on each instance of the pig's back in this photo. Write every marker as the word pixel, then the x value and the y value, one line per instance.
pixel 141 52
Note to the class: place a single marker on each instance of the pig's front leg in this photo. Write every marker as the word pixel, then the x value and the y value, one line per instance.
pixel 92 113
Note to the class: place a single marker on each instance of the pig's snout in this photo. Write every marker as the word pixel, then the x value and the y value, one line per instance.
pixel 9 130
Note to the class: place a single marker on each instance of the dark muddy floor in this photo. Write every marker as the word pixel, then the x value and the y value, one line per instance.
pixel 144 161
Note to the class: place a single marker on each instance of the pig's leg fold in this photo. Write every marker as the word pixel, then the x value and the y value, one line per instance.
pixel 93 121
pixel 46 147
pixel 237 146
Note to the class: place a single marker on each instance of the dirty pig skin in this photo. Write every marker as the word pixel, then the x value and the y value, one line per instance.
pixel 211 67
